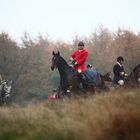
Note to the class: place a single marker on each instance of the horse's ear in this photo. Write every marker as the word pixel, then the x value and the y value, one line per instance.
pixel 53 53
pixel 58 53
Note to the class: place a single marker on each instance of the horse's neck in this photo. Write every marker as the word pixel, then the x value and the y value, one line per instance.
pixel 63 69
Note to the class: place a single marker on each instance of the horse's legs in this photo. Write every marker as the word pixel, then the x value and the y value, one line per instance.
pixel 92 89
pixel 89 89
pixel 65 91
pixel 80 80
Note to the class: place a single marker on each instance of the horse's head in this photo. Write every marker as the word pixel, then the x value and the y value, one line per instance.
pixel 55 60
pixel 134 77
pixel 137 73
pixel 106 81
pixel 8 86
pixel 5 88
pixel 107 77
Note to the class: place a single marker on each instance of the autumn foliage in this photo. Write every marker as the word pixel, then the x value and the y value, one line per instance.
pixel 28 63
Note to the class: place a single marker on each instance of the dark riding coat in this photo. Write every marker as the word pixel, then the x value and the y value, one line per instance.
pixel 117 69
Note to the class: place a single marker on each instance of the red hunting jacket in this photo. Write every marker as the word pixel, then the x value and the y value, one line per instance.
pixel 80 57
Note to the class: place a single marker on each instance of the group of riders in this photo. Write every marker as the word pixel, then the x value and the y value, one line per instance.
pixel 89 74
pixel 79 57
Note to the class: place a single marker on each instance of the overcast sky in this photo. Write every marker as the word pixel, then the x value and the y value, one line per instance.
pixel 63 19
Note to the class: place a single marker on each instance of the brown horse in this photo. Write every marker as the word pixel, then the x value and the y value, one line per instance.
pixel 133 79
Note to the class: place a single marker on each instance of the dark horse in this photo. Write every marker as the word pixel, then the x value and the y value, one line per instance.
pixel 68 77
pixel 134 77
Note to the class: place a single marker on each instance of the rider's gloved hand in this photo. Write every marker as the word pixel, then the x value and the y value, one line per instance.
pixel 125 74
pixel 71 58
pixel 72 62
pixel 75 63
pixel 122 73
pixel 79 71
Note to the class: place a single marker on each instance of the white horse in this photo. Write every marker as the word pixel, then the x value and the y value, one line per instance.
pixel 5 89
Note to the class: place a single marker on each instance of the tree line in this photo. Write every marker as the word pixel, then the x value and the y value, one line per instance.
pixel 28 64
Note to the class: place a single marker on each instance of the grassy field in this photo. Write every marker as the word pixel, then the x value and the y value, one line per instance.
pixel 115 116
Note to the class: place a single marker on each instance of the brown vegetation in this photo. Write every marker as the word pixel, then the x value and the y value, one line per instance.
pixel 111 117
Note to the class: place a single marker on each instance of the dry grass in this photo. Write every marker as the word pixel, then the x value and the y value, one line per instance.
pixel 115 116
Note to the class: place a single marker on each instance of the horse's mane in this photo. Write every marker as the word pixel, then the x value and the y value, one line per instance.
pixel 62 60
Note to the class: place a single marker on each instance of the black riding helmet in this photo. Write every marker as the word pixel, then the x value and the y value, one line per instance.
pixel 81 44
pixel 120 58
pixel 89 66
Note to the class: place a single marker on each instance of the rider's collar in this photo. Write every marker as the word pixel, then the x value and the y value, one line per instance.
pixel 119 64
pixel 80 50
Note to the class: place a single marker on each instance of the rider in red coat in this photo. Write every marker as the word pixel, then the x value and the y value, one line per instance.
pixel 79 57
